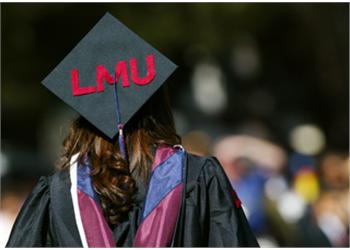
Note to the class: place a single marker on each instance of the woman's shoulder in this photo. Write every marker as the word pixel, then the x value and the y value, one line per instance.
pixel 198 166
pixel 58 177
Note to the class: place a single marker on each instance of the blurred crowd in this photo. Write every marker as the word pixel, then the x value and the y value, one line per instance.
pixel 298 197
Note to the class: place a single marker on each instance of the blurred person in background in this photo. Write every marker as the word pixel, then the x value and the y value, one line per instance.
pixel 332 208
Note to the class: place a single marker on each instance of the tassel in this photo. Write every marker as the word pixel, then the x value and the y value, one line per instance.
pixel 120 125
pixel 121 141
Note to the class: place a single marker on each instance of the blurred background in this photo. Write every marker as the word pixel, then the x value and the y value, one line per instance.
pixel 263 87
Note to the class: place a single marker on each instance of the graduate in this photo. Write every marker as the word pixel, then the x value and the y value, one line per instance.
pixel 124 180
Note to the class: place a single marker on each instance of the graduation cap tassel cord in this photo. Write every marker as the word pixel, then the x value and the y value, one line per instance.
pixel 119 123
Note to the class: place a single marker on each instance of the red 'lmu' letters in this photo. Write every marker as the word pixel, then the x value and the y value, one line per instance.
pixel 121 71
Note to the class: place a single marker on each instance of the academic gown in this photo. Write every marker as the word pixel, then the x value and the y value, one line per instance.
pixel 210 214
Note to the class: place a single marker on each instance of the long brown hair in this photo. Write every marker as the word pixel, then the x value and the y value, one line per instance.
pixel 111 175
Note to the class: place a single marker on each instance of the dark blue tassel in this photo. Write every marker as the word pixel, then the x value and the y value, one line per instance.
pixel 120 125
pixel 121 141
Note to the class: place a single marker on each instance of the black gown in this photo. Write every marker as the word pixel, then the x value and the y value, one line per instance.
pixel 209 216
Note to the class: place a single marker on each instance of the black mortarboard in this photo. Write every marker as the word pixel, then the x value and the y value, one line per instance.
pixel 110 53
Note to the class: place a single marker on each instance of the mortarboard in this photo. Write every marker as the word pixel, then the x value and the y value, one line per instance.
pixel 109 75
